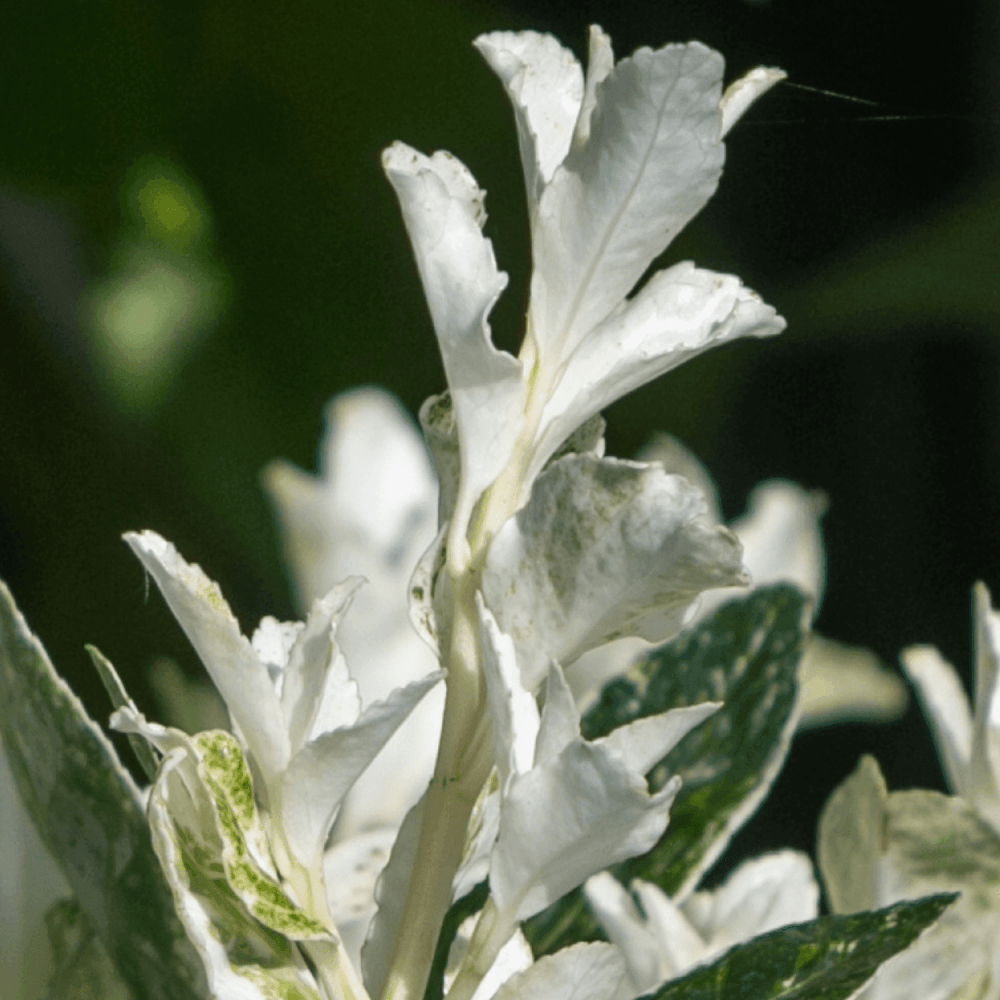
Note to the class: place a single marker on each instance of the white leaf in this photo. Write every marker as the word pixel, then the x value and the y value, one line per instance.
pixel 589 971
pixel 680 313
pixel 443 211
pixel 560 722
pixel 390 898
pixel 317 691
pixel 680 945
pixel 760 895
pixel 743 92
pixel 652 159
pixel 842 683
pixel 627 930
pixel 242 680
pixel 513 711
pixel 600 62
pixel 320 775
pixel 545 85
pixel 567 819
pixel 604 548
pixel 253 971
pixel 644 743
pixel 947 708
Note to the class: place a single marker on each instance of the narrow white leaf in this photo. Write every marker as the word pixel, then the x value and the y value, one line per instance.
pixel 321 774
pixel 560 723
pixel 444 214
pixel 946 706
pixel 512 708
pixel 644 743
pixel 390 898
pixel 741 93
pixel 545 85
pixel 242 680
pixel 680 945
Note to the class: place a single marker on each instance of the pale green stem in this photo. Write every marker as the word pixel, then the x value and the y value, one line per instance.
pixel 491 934
pixel 464 761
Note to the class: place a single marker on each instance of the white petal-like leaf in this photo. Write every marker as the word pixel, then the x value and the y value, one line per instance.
pixel 560 722
pixel 946 706
pixel 512 708
pixel 760 895
pixel 545 85
pixel 317 691
pixel 680 945
pixel 567 819
pixel 842 683
pixel 242 680
pixel 443 211
pixel 627 930
pixel 652 160
pixel 321 774
pixel 390 897
pixel 644 743
pixel 593 971
pixel 600 62
pixel 852 837
pixel 681 312
pixel 741 93
pixel 604 548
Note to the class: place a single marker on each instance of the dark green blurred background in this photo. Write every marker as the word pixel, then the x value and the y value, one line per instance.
pixel 223 158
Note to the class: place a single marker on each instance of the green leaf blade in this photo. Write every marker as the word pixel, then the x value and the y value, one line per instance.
pixel 826 959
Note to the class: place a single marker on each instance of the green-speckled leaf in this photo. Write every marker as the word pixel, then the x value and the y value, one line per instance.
pixel 245 850
pixel 747 654
pixel 88 812
pixel 83 970
pixel 825 959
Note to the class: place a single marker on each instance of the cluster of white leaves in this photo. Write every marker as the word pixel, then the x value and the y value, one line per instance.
pixel 877 847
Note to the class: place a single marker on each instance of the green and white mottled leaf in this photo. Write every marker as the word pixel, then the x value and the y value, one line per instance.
pixel 826 959
pixel 604 548
pixel 245 850
pixel 83 970
pixel 90 816
pixel 243 959
pixel 747 656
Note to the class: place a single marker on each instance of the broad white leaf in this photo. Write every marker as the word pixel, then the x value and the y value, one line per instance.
pixel 680 313
pixel 592 971
pixel 568 818
pixel 560 721
pixel 652 159
pixel 604 548
pixel 760 895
